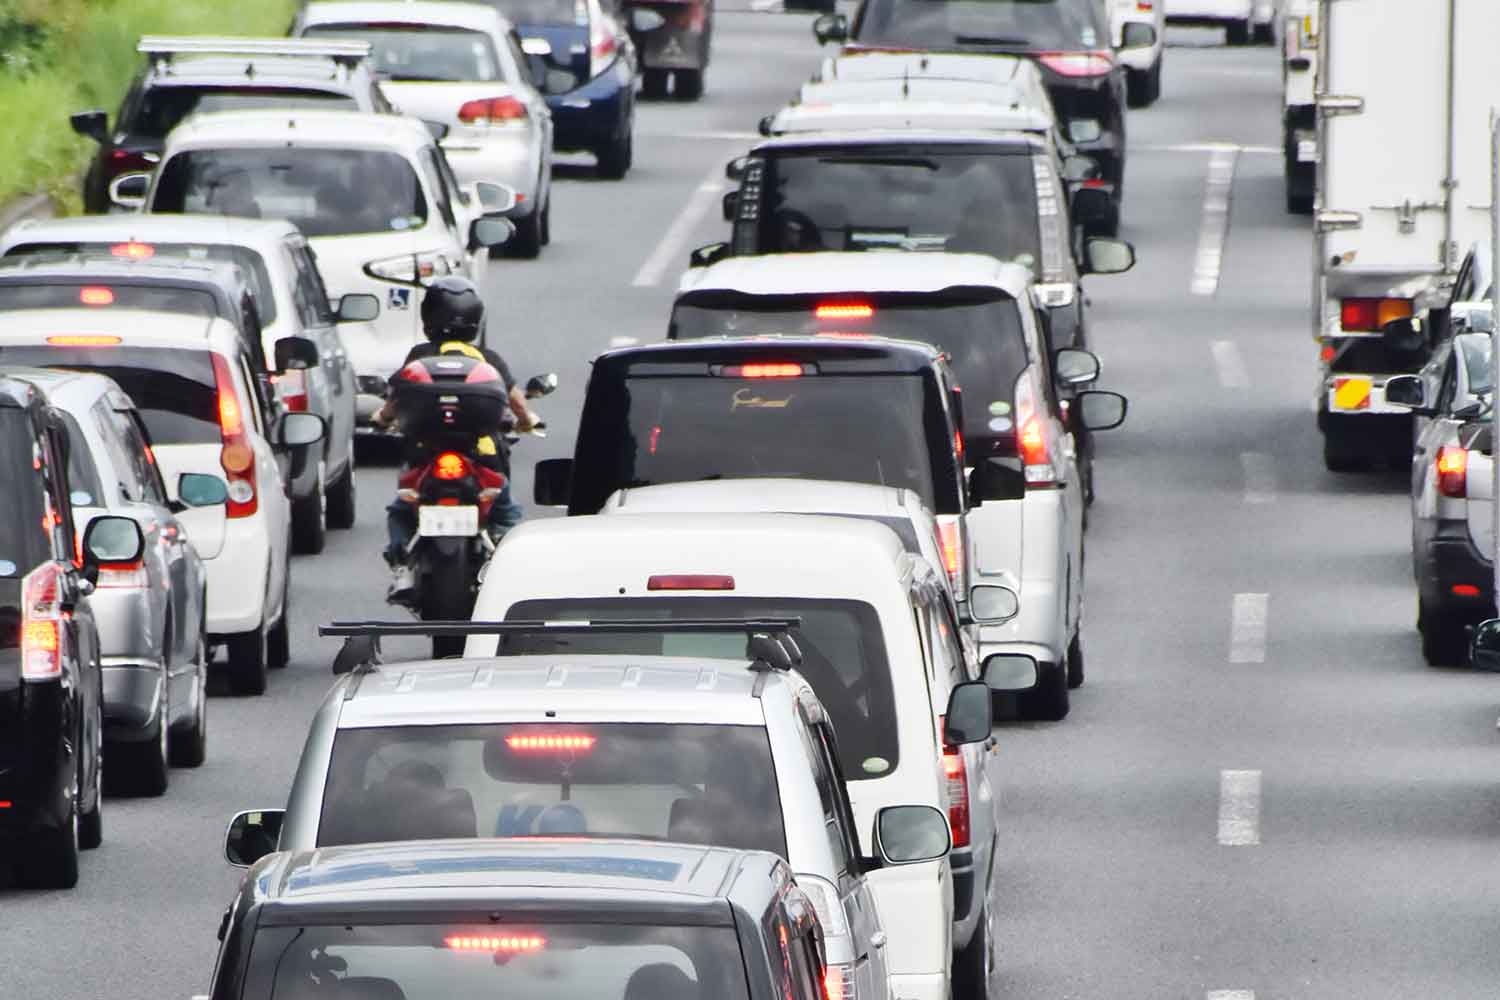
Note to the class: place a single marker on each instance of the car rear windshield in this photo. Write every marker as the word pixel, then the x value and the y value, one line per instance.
pixel 250 263
pixel 105 296
pixel 703 784
pixel 324 191
pixel 843 655
pixel 958 199
pixel 23 544
pixel 979 329
pixel 162 108
pixel 543 12
pixel 643 430
pixel 541 959
pixel 1040 25
pixel 173 389
pixel 421 52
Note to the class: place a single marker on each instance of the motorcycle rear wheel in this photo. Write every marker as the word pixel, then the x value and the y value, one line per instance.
pixel 447 595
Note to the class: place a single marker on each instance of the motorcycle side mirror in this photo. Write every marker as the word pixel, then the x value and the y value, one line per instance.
pixel 541 385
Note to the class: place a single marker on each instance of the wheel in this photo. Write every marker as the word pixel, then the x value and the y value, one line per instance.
pixel 615 159
pixel 1143 87
pixel 1075 662
pixel 1445 642
pixel 1237 32
pixel 688 84
pixel 654 84
pixel 189 745
pixel 1298 204
pixel 1264 34
pixel 446 595
pixel 247 662
pixel 141 768
pixel 547 222
pixel 527 243
pixel 309 529
pixel 1048 701
pixel 342 497
pixel 279 640
pixel 91 819
pixel 52 862
pixel 974 965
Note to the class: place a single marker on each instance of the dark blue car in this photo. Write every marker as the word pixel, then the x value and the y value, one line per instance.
pixel 579 37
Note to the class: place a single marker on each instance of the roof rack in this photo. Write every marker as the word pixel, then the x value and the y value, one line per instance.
pixel 161 48
pixel 770 647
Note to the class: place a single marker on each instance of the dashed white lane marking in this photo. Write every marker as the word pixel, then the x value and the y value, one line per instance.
pixel 1247 628
pixel 674 244
pixel 1260 477
pixel 1215 228
pixel 1229 995
pixel 624 341
pixel 1232 371
pixel 1239 809
pixel 1205 147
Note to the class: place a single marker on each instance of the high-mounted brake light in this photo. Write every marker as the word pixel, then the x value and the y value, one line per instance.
pixel 1465 590
pixel 690 581
pixel 548 742
pixel 83 340
pixel 133 250
pixel 450 465
pixel 491 943
pixel 95 295
pixel 1368 315
pixel 236 456
pixel 493 111
pixel 772 369
pixel 1453 471
pixel 1095 63
pixel 41 623
pixel 844 310
pixel 957 774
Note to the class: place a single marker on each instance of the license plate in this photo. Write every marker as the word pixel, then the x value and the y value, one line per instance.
pixel 447 522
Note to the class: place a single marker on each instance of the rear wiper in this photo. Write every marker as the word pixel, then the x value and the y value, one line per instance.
pixel 1012 43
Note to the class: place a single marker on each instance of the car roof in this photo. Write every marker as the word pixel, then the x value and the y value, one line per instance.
pixel 787 496
pixel 475 16
pixel 835 272
pixel 139 227
pixel 147 329
pixel 873 354
pixel 16 390
pixel 1027 141
pixel 297 127
pixel 949 106
pixel 63 386
pixel 106 268
pixel 995 67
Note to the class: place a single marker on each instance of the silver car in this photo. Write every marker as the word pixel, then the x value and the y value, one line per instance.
pixel 150 613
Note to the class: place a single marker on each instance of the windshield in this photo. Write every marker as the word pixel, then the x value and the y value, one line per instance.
pixel 693 784
pixel 957 199
pixel 173 389
pixel 103 296
pixel 420 52
pixel 1039 25
pixel 543 12
pixel 325 192
pixel 531 960
pixel 163 107
pixel 843 655
pixel 979 331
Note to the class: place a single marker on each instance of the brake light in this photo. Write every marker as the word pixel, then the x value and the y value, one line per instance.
pixel 133 250
pixel 952 549
pixel 844 310
pixel 772 369
pixel 92 295
pixel 1327 354
pixel 41 623
pixel 1465 590
pixel 550 742
pixel 482 372
pixel 237 456
pixel 1452 471
pixel 957 775
pixel 602 47
pixel 690 581
pixel 493 111
pixel 415 372
pixel 1367 315
pixel 450 465
pixel 1095 63
pixel 83 340
pixel 490 944
pixel 123 575
pixel 122 162
pixel 1145 6
pixel 838 984
pixel 1031 436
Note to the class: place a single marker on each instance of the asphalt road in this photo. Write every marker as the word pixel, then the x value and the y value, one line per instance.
pixel 1261 791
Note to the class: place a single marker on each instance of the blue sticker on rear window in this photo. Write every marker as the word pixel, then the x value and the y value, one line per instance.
pixel 7 568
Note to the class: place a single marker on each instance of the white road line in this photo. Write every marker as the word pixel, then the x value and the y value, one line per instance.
pixel 673 245
pixel 1205 147
pixel 1215 228
pixel 1239 810
pixel 1229 995
pixel 1247 628
pixel 1260 477
pixel 1232 371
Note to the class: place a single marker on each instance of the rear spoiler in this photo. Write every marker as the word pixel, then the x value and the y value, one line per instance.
pixel 160 48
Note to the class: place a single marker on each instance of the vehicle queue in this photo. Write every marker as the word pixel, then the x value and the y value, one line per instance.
pixel 818 539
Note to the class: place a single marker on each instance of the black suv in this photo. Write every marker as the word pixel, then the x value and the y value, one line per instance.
pixel 185 76
pixel 539 918
pixel 1069 40
pixel 51 694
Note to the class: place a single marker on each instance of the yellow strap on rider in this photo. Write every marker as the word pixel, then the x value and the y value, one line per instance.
pixel 485 445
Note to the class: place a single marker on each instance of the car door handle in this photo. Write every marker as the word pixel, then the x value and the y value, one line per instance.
pixel 877 940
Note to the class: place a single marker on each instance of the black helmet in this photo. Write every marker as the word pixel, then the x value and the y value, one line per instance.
pixel 452 310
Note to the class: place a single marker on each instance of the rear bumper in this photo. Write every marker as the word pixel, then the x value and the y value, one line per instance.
pixel 36 763
pixel 1380 434
pixel 595 114
pixel 919 987
pixel 132 693
pixel 1449 559
pixel 504 159
pixel 237 584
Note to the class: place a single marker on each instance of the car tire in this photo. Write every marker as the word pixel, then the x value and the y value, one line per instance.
pixel 974 964
pixel 189 745
pixel 1445 642
pixel 309 524
pixel 52 862
pixel 1339 456
pixel 1075 662
pixel 615 158
pixel 1264 34
pixel 1237 32
pixel 247 662
pixel 279 640
pixel 1143 87
pixel 687 84
pixel 343 497
pixel 547 221
pixel 654 84
pixel 141 768
pixel 1048 701
pixel 91 820
pixel 526 244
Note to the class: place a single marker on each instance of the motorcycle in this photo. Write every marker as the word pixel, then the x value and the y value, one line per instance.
pixel 447 403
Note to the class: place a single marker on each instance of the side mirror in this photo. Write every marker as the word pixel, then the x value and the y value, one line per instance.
pixel 357 651
pixel 643 19
pixel 252 835
pixel 558 81
pixel 1406 390
pixel 130 190
pixel 541 385
pixel 194 489
pixel 1404 334
pixel 735 169
pixel 1076 168
pixel 111 539
pixel 298 430
pixel 998 479
pixel 969 717
pixel 296 353
pixel 553 482
pixel 1010 672
pixel 438 130
pixel 1105 256
pixel 711 253
pixel 490 231
pixel 91 125
pixel 1072 366
pixel 1095 410
pixel 992 604
pixel 1137 36
pixel 358 307
pixel 1091 204
pixel 907 835
pixel 731 205
pixel 1484 646
pixel 1083 130
pixel 831 28
pixel 1473 317
pixel 496 199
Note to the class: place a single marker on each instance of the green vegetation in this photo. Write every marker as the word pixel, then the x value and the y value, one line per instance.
pixel 61 56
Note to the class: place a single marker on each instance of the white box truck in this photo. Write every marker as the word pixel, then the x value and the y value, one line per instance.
pixel 1299 119
pixel 1403 106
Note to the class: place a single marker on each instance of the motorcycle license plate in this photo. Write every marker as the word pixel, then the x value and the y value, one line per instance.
pixel 447 522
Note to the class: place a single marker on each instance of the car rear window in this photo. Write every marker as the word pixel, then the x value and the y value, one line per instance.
pixel 421 52
pixel 980 331
pixel 543 12
pixel 703 784
pixel 982 24
pixel 173 389
pixel 1476 348
pixel 536 960
pixel 843 655
pixel 162 108
pixel 23 544
pixel 104 295
pixel 324 191
pixel 930 197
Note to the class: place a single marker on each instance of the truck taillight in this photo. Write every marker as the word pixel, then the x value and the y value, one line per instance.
pixel 41 623
pixel 1368 315
pixel 237 455
pixel 957 775
pixel 1453 471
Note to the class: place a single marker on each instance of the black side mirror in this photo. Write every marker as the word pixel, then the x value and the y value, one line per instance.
pixel 712 253
pixel 1074 366
pixel 130 190
pixel 194 489
pixel 644 19
pixel 553 482
pixel 767 125
pixel 998 479
pixel 1137 36
pixel 111 539
pixel 358 307
pixel 908 835
pixel 91 124
pixel 1084 130
pixel 1406 390
pixel 296 353
pixel 731 203
pixel 252 835
pixel 831 28
pixel 298 430
pixel 1404 335
pixel 541 385
pixel 1096 410
pixel 969 717
pixel 1484 646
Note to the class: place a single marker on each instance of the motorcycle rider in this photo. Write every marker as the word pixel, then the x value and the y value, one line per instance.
pixel 452 318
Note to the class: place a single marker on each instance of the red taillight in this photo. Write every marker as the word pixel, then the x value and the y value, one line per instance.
pixel 844 310
pixel 122 162
pixel 133 250
pixel 83 340
pixel 550 742
pixel 493 111
pixel 123 575
pixel 415 372
pixel 450 465
pixel 482 372
pixel 1145 6
pixel 1371 315
pixel 237 455
pixel 1327 354
pixel 838 984
pixel 1465 590
pixel 763 370
pixel 602 48
pixel 958 794
pixel 690 581
pixel 492 943
pixel 1452 471
pixel 952 548
pixel 93 295
pixel 1095 63
pixel 41 623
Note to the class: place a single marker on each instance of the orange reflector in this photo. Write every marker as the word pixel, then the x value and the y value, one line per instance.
pixel 551 741
pixel 498 942
pixel 93 295
pixel 449 465
pixel 844 310
pixel 1465 590
pixel 135 251
pixel 83 340
pixel 948 533
pixel 690 581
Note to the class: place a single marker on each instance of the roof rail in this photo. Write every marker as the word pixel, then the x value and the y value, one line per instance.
pixel 161 48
